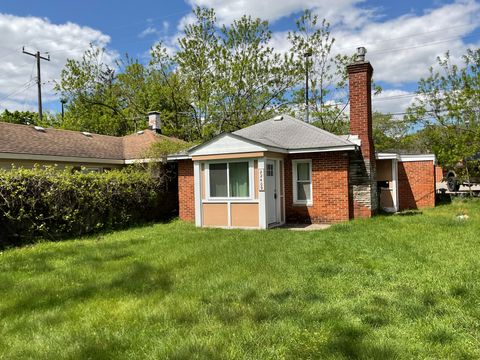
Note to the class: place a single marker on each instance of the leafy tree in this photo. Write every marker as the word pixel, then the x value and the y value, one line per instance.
pixel 28 118
pixel 93 97
pixel 172 96
pixel 312 46
pixel 231 76
pixel 19 117
pixel 448 107
pixel 390 133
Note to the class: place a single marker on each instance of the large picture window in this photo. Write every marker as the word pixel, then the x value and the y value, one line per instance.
pixel 229 179
pixel 302 182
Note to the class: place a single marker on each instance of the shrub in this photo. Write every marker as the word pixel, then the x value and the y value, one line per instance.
pixel 51 203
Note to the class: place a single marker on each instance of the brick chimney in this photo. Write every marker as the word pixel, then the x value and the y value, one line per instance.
pixel 360 87
pixel 362 164
pixel 154 121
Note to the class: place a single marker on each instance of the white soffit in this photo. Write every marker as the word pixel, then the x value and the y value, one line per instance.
pixel 387 156
pixel 424 157
pixel 405 158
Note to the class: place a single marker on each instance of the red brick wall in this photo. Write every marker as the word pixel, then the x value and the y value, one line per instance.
pixel 330 189
pixel 416 184
pixel 186 191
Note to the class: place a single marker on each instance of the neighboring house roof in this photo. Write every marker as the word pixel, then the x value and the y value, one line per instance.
pixel 136 145
pixel 291 134
pixel 27 140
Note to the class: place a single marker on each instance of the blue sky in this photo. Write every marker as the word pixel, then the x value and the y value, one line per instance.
pixel 402 37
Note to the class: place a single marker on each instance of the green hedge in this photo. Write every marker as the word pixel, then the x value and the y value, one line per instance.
pixel 53 204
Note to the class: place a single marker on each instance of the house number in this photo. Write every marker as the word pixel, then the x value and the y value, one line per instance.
pixel 261 179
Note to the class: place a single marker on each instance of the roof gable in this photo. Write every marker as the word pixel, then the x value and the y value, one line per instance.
pixel 227 143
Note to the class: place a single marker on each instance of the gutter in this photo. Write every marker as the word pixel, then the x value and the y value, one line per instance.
pixel 73 159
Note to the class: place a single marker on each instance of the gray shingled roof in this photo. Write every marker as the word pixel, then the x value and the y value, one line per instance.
pixel 291 134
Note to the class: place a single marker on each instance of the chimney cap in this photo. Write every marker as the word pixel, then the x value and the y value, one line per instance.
pixel 360 56
pixel 154 112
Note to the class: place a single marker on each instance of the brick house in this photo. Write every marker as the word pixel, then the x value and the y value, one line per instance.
pixel 285 170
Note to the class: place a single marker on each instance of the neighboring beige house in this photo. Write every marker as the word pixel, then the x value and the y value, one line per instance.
pixel 25 146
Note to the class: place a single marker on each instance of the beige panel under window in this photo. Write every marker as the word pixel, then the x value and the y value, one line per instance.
pixel 244 215
pixel 215 214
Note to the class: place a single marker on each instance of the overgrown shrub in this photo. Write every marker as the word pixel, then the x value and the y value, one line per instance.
pixel 53 204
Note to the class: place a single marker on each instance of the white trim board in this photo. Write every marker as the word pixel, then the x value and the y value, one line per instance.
pixel 222 148
pixel 178 157
pixel 405 158
pixel 325 149
pixel 426 157
pixel 74 159
pixel 231 144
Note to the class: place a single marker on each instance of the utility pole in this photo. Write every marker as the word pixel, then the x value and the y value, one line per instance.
pixel 307 54
pixel 39 81
pixel 63 101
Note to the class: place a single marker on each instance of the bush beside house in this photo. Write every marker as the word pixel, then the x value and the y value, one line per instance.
pixel 49 203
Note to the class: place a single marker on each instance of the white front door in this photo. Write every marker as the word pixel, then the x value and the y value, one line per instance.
pixel 271 191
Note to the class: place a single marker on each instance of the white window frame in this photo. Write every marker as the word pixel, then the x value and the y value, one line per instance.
pixel 228 162
pixel 308 202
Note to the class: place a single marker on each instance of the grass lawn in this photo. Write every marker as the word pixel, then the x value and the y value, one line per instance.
pixel 391 287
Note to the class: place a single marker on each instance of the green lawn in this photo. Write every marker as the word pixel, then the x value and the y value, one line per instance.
pixel 391 287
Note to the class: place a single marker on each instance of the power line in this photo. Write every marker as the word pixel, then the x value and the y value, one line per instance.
pixel 17 90
pixel 421 34
pixel 24 87
pixel 384 51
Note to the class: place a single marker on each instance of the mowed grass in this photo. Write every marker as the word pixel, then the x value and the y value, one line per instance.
pixel 400 287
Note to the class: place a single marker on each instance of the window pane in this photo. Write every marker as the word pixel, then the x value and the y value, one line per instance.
pixel 303 171
pixel 269 169
pixel 303 191
pixel 218 180
pixel 239 179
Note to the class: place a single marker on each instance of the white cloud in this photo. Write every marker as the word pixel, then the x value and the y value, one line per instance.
pixel 150 30
pixel 402 49
pixel 61 41
pixel 392 101
pixel 339 11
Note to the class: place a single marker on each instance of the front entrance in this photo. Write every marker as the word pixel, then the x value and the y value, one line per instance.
pixel 271 192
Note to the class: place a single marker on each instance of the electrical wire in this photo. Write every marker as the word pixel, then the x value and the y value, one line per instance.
pixel 24 87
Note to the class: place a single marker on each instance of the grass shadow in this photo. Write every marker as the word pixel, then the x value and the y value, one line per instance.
pixel 137 279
